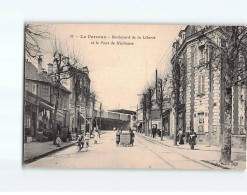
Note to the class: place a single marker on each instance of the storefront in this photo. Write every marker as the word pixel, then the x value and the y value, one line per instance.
pixel 37 114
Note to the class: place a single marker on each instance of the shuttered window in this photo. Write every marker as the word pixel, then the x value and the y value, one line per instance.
pixel 201 84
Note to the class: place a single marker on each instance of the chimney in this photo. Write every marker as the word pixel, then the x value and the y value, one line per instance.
pixel 50 68
pixel 44 71
pixel 39 65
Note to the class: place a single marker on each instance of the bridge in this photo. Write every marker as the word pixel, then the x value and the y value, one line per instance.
pixel 120 119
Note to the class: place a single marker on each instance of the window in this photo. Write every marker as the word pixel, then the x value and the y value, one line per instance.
pixel 35 89
pixel 201 84
pixel 202 55
pixel 200 122
pixel 45 91
pixel 64 103
pixel 27 123
pixel 192 56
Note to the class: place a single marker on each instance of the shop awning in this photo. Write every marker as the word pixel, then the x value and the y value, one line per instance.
pixel 83 116
pixel 46 105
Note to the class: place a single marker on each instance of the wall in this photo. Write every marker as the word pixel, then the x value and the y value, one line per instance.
pixel 43 89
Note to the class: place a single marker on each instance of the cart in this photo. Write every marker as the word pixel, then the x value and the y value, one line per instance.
pixel 126 139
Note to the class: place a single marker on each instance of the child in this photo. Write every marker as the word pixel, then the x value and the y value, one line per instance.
pixel 58 141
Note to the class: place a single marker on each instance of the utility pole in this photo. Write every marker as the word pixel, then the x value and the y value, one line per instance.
pixel 161 108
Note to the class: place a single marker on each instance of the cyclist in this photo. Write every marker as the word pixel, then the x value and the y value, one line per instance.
pixel 80 141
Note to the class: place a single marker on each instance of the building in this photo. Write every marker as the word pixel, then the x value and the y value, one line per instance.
pixel 81 100
pixel 200 103
pixel 127 115
pixel 39 101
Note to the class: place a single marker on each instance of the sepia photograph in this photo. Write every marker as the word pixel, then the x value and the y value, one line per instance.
pixel 134 96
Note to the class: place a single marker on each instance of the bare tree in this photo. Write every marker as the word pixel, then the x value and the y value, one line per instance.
pixel 161 97
pixel 77 88
pixel 176 83
pixel 144 110
pixel 34 33
pixel 149 104
pixel 61 65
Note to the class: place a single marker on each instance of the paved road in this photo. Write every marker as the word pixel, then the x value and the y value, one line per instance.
pixel 106 154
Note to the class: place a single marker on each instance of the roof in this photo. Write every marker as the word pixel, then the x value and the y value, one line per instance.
pixel 64 89
pixel 124 111
pixel 31 73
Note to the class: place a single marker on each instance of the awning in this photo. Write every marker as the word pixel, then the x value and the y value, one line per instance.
pixel 47 106
pixel 83 116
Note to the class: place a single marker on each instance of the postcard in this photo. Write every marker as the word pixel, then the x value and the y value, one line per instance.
pixel 129 96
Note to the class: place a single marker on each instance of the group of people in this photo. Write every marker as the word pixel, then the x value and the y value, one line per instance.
pixel 192 137
pixel 83 140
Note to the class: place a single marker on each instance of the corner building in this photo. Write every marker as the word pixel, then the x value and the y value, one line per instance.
pixel 201 90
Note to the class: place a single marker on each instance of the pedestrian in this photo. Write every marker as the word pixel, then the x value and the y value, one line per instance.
pixel 180 136
pixel 117 137
pixel 192 139
pixel 58 140
pixel 132 136
pixel 96 137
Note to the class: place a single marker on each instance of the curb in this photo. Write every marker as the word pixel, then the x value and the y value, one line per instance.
pixel 171 146
pixel 215 164
pixel 46 154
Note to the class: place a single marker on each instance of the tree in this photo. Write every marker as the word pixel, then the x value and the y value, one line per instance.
pixel 228 55
pixel 144 110
pixel 34 33
pixel 61 66
pixel 149 102
pixel 176 83
pixel 76 82
pixel 161 97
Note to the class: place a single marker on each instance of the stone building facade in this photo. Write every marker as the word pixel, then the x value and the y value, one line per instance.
pixel 201 89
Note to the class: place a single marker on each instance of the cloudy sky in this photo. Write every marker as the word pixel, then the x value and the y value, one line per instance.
pixel 119 72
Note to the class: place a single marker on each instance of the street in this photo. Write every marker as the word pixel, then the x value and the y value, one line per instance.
pixel 143 155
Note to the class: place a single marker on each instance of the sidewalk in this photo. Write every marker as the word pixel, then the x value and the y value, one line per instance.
pixel 36 150
pixel 208 154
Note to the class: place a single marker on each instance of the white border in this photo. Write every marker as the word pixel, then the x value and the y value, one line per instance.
pixel 14 13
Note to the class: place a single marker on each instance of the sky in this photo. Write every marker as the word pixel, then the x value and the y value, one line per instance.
pixel 119 72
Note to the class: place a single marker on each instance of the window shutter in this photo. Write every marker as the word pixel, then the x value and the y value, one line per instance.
pixel 195 54
pixel 199 84
pixel 192 56
pixel 203 84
